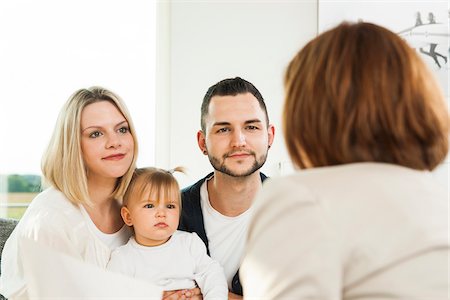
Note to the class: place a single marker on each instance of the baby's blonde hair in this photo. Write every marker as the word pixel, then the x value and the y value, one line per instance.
pixel 153 181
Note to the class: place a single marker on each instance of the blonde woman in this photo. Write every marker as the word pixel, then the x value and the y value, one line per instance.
pixel 365 219
pixel 88 165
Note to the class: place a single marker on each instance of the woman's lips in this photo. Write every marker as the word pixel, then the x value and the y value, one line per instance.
pixel 115 157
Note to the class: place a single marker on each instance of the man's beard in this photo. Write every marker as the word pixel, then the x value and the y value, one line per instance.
pixel 220 165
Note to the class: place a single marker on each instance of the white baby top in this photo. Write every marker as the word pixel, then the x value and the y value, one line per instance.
pixel 178 264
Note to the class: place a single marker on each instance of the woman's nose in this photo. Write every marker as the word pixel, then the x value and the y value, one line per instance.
pixel 113 141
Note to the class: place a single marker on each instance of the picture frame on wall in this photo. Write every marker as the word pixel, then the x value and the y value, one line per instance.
pixel 423 24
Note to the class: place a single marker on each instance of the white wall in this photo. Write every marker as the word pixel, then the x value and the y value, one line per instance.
pixel 213 40
pixel 50 48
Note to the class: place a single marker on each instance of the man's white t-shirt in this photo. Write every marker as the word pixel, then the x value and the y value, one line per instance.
pixel 226 235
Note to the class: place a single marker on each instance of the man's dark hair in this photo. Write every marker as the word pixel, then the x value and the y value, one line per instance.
pixel 230 87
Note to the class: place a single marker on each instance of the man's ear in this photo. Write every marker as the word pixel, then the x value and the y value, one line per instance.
pixel 271 134
pixel 126 216
pixel 201 141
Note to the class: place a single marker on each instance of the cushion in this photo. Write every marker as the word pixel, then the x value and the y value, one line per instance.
pixel 6 227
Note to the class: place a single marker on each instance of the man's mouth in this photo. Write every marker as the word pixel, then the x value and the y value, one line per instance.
pixel 240 154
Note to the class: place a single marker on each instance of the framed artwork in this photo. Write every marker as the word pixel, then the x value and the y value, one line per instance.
pixel 423 24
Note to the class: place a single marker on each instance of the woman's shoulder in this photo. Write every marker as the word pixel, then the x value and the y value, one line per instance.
pixel 342 177
pixel 336 185
pixel 51 207
pixel 52 199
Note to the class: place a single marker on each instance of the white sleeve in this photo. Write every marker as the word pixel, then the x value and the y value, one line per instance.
pixel 52 231
pixel 209 273
pixel 290 250
pixel 47 228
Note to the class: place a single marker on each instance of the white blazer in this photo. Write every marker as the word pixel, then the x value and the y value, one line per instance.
pixel 356 231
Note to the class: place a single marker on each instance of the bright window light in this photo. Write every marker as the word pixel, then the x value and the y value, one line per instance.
pixel 50 48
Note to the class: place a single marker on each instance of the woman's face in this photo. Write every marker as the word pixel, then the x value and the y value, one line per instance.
pixel 106 142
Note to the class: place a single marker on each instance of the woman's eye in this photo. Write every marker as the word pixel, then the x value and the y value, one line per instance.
pixel 95 134
pixel 148 206
pixel 124 129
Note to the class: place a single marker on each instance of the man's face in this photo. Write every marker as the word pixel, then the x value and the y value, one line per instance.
pixel 236 136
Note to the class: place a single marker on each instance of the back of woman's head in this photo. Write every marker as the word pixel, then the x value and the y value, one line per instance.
pixel 359 93
pixel 62 163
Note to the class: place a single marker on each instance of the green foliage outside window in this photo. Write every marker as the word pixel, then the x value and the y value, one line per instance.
pixel 17 191
pixel 24 184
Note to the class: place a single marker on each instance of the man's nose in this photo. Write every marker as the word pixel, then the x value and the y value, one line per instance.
pixel 238 139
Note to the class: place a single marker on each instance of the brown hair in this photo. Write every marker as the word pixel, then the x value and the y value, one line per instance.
pixel 359 93
pixel 230 87
pixel 153 181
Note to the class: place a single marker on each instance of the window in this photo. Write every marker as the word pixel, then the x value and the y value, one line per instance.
pixel 51 48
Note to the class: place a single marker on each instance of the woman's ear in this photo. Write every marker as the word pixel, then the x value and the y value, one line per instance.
pixel 126 216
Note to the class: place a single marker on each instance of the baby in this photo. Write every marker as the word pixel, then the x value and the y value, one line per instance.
pixel 158 252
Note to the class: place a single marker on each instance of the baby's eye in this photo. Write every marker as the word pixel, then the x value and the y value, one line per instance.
pixel 95 134
pixel 171 206
pixel 149 205
pixel 124 129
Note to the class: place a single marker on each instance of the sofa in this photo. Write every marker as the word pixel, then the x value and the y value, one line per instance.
pixel 6 227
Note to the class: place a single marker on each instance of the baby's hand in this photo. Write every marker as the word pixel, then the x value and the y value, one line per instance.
pixel 172 295
pixel 193 294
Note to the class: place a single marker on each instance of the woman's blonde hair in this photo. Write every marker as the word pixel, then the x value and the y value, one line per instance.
pixel 153 181
pixel 62 163
pixel 359 93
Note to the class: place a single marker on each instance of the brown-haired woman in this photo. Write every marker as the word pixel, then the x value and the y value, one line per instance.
pixel 366 220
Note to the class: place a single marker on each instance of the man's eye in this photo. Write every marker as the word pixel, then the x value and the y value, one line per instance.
pixel 124 129
pixel 95 134
pixel 148 206
pixel 252 127
pixel 221 130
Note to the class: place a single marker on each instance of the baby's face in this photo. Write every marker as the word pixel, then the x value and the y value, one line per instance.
pixel 154 220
